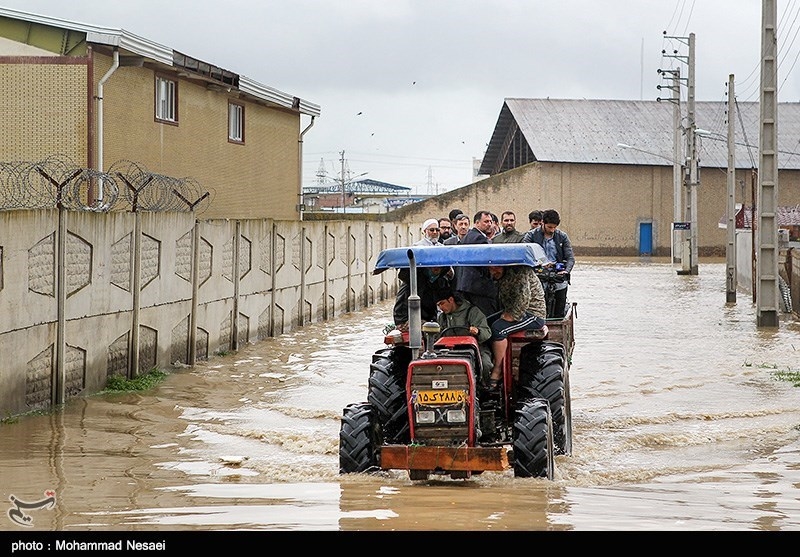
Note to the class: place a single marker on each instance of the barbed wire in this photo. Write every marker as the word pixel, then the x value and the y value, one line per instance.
pixel 57 182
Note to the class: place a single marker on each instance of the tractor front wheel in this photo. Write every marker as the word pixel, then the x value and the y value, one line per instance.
pixel 359 439
pixel 533 440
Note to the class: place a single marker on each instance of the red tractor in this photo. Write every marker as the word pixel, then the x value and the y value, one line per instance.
pixel 425 412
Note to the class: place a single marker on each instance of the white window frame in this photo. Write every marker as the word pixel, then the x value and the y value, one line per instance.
pixel 166 99
pixel 235 122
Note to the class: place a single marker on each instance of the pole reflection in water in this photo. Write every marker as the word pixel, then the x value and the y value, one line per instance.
pixel 680 422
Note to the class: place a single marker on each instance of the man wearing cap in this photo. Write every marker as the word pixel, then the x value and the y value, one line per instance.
pixel 430 234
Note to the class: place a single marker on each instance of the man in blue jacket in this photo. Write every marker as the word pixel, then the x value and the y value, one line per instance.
pixel 558 248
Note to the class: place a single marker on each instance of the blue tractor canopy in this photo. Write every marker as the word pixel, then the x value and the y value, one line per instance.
pixel 470 255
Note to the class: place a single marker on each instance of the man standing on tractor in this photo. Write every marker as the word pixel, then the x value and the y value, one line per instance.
pixel 461 227
pixel 429 281
pixel 559 253
pixel 521 297
pixel 509 232
pixel 474 283
pixel 535 219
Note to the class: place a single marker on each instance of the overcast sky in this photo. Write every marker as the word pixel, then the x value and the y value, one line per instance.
pixel 411 90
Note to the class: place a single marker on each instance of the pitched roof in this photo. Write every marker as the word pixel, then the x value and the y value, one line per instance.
pixel 590 131
pixel 787 216
pixel 131 44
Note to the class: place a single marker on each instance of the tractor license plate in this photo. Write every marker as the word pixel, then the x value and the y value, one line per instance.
pixel 441 397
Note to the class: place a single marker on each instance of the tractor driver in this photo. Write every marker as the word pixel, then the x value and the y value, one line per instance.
pixel 465 319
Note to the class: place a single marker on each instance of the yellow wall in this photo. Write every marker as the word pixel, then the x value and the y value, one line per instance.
pixel 254 180
pixel 43 107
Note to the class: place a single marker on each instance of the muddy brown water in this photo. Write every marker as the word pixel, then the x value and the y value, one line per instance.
pixel 680 423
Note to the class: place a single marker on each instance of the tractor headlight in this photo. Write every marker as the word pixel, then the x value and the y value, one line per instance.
pixel 456 416
pixel 426 417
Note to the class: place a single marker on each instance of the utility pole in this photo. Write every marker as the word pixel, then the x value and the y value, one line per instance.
pixel 767 259
pixel 694 179
pixel 677 167
pixel 691 177
pixel 730 282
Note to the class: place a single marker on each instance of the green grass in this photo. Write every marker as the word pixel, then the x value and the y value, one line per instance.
pixel 17 417
pixel 115 384
pixel 792 377
pixel 788 374
pixel 118 383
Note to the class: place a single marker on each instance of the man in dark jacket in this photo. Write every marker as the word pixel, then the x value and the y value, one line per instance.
pixel 558 248
pixel 474 283
pixel 460 229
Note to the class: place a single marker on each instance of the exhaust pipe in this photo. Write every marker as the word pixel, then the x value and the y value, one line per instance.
pixel 414 309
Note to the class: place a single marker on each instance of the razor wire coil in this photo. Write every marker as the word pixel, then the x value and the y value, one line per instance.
pixel 57 182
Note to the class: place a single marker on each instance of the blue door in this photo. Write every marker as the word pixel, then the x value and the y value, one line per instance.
pixel 646 238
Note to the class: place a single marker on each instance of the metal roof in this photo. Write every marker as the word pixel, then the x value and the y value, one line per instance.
pixel 130 43
pixel 358 186
pixel 590 131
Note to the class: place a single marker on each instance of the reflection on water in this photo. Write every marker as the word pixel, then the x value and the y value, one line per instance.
pixel 679 423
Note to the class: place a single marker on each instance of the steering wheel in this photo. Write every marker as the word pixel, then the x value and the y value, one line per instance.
pixel 455 328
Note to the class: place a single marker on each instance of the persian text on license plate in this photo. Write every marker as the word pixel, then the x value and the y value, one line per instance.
pixel 441 397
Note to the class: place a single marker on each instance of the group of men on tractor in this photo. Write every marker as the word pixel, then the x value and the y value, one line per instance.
pixel 489 302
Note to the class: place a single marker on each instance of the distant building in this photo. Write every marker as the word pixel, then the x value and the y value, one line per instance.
pixel 607 167
pixel 565 154
pixel 788 220
pixel 359 196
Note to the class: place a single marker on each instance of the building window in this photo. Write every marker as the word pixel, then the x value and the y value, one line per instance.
pixel 235 122
pixel 166 100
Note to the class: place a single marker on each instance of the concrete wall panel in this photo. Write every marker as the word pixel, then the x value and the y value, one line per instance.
pixel 27 246
pixel 18 352
pixel 166 320
pixel 215 319
pixel 162 237
pixel 107 273
pixel 216 260
pixel 96 336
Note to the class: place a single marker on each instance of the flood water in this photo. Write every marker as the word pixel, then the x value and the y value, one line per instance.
pixel 680 423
